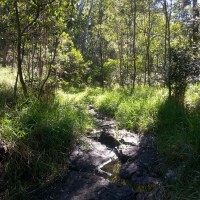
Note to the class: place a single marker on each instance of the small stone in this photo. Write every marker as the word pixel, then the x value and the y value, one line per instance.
pixel 126 152
pixel 130 168
pixel 144 180
pixel 171 176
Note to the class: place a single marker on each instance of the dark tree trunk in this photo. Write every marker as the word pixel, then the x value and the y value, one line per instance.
pixel 19 50
pixel 195 22
pixel 134 46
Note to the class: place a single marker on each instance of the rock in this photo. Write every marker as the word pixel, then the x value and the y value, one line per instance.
pixel 147 141
pixel 96 172
pixel 108 123
pixel 92 112
pixel 86 186
pixel 145 196
pixel 156 194
pixel 148 158
pixel 144 180
pixel 90 107
pixel 95 133
pixel 3 150
pixel 126 152
pixel 130 168
pixel 109 140
pixel 128 138
pixel 90 155
pixel 170 177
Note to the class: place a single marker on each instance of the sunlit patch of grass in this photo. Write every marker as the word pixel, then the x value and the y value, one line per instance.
pixel 86 97
pixel 135 111
pixel 7 80
pixel 192 95
pixel 7 76
pixel 108 102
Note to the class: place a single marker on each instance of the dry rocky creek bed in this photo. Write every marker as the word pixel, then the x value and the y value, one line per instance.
pixel 111 164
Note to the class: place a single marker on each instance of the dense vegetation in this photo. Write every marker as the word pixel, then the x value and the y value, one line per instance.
pixel 137 61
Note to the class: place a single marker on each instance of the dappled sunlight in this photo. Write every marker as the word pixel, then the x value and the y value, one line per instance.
pixel 8 76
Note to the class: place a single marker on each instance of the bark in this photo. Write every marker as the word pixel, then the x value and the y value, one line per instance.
pixel 195 29
pixel 120 47
pixel 100 42
pixel 5 53
pixel 148 44
pixel 19 49
pixel 50 69
pixel 85 35
pixel 134 46
pixel 168 44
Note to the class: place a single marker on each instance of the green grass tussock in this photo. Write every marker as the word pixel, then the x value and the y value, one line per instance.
pixel 40 136
pixel 108 102
pixel 135 111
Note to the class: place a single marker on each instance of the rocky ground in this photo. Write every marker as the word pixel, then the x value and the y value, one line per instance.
pixel 110 164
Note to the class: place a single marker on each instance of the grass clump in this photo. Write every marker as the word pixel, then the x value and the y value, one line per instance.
pixel 135 111
pixel 108 102
pixel 39 136
pixel 139 111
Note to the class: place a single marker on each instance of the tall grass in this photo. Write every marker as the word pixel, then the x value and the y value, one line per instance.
pixel 40 136
pixel 7 100
pixel 135 111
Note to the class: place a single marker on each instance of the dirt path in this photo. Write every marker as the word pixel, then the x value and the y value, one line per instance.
pixel 110 164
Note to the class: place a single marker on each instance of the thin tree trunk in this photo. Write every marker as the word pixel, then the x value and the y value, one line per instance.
pixel 148 44
pixel 19 52
pixel 168 45
pixel 134 47
pixel 100 42
pixel 195 28
pixel 50 69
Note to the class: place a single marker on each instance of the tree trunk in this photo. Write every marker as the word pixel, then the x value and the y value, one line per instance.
pixel 148 44
pixel 19 51
pixel 100 42
pixel 195 28
pixel 134 46
pixel 168 45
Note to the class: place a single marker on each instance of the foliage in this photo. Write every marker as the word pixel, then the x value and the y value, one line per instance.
pixel 70 64
pixel 182 68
